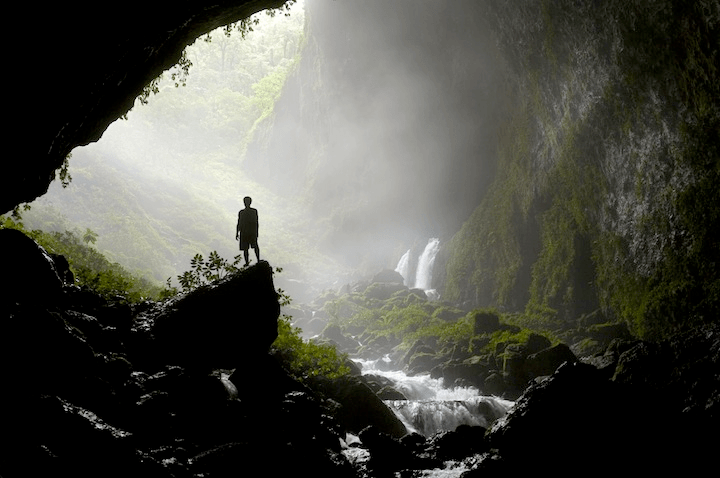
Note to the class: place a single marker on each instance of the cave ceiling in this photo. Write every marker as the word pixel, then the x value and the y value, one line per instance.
pixel 76 67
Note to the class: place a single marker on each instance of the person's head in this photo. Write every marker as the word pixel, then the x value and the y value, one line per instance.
pixel 247 200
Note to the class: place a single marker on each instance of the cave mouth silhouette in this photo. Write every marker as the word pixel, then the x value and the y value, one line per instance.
pixel 92 68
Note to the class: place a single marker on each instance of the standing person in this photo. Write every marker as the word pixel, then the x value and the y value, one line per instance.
pixel 247 230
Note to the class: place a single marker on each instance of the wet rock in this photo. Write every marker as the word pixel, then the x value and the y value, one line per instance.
pixel 387 454
pixel 457 444
pixel 360 407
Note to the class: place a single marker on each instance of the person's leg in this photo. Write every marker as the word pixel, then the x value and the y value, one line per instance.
pixel 257 252
pixel 247 256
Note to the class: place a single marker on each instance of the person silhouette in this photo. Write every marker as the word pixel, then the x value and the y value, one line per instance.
pixel 247 230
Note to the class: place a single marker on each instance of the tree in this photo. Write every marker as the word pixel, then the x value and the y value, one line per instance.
pixel 90 236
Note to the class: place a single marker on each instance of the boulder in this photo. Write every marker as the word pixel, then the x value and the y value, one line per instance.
pixel 387 454
pixel 469 371
pixel 222 325
pixel 383 290
pixel 387 275
pixel 494 384
pixel 335 334
pixel 418 347
pixel 422 362
pixel 605 333
pixel 359 407
pixel 82 444
pixel 536 343
pixel 448 314
pixel 485 322
pixel 548 360
pixel 28 273
pixel 457 444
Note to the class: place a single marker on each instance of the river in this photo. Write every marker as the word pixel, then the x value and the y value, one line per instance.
pixel 430 408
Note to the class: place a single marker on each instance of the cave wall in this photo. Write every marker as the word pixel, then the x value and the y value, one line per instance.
pixel 608 167
pixel 77 67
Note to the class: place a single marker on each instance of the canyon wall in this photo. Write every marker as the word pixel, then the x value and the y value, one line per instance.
pixel 608 166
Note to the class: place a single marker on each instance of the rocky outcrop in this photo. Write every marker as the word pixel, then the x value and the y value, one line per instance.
pixel 92 387
pixel 222 325
pixel 655 418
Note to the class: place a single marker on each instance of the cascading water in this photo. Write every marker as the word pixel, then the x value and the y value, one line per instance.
pixel 430 408
pixel 423 276
pixel 403 267
pixel 422 279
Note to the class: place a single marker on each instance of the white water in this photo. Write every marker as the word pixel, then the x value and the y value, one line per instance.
pixel 430 408
pixel 403 267
pixel 423 276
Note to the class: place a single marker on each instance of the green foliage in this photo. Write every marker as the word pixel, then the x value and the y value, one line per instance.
pixel 302 359
pixel 306 359
pixel 168 182
pixel 91 268
pixel 63 173
pixel 611 202
pixel 203 272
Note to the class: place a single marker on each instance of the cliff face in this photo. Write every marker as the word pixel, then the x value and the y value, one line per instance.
pixel 607 184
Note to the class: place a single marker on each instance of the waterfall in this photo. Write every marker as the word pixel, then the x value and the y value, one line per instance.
pixel 431 416
pixel 431 408
pixel 403 267
pixel 423 276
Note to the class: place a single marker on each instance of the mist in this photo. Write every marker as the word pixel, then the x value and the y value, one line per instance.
pixel 390 122
pixel 381 136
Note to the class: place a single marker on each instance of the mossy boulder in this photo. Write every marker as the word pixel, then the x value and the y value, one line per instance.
pixel 485 322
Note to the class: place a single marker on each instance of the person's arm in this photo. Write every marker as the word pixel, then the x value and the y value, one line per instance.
pixel 237 228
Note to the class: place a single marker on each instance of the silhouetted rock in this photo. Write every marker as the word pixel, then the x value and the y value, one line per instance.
pixel 485 322
pixel 28 273
pixel 222 325
pixel 655 416
pixel 360 406
pixel 460 443
pixel 546 361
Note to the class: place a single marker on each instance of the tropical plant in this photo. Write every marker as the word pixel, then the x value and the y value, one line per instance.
pixel 203 272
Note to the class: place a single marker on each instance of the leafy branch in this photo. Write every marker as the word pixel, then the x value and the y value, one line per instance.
pixel 203 272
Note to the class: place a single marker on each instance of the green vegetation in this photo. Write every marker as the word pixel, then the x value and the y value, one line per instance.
pixel 306 359
pixel 405 318
pixel 606 191
pixel 166 184
pixel 91 268
pixel 204 272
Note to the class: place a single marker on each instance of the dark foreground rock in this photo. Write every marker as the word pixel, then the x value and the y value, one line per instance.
pixel 658 414
pixel 92 387
pixel 222 325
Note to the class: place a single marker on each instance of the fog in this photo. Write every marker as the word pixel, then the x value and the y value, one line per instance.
pixel 390 122
pixel 382 137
